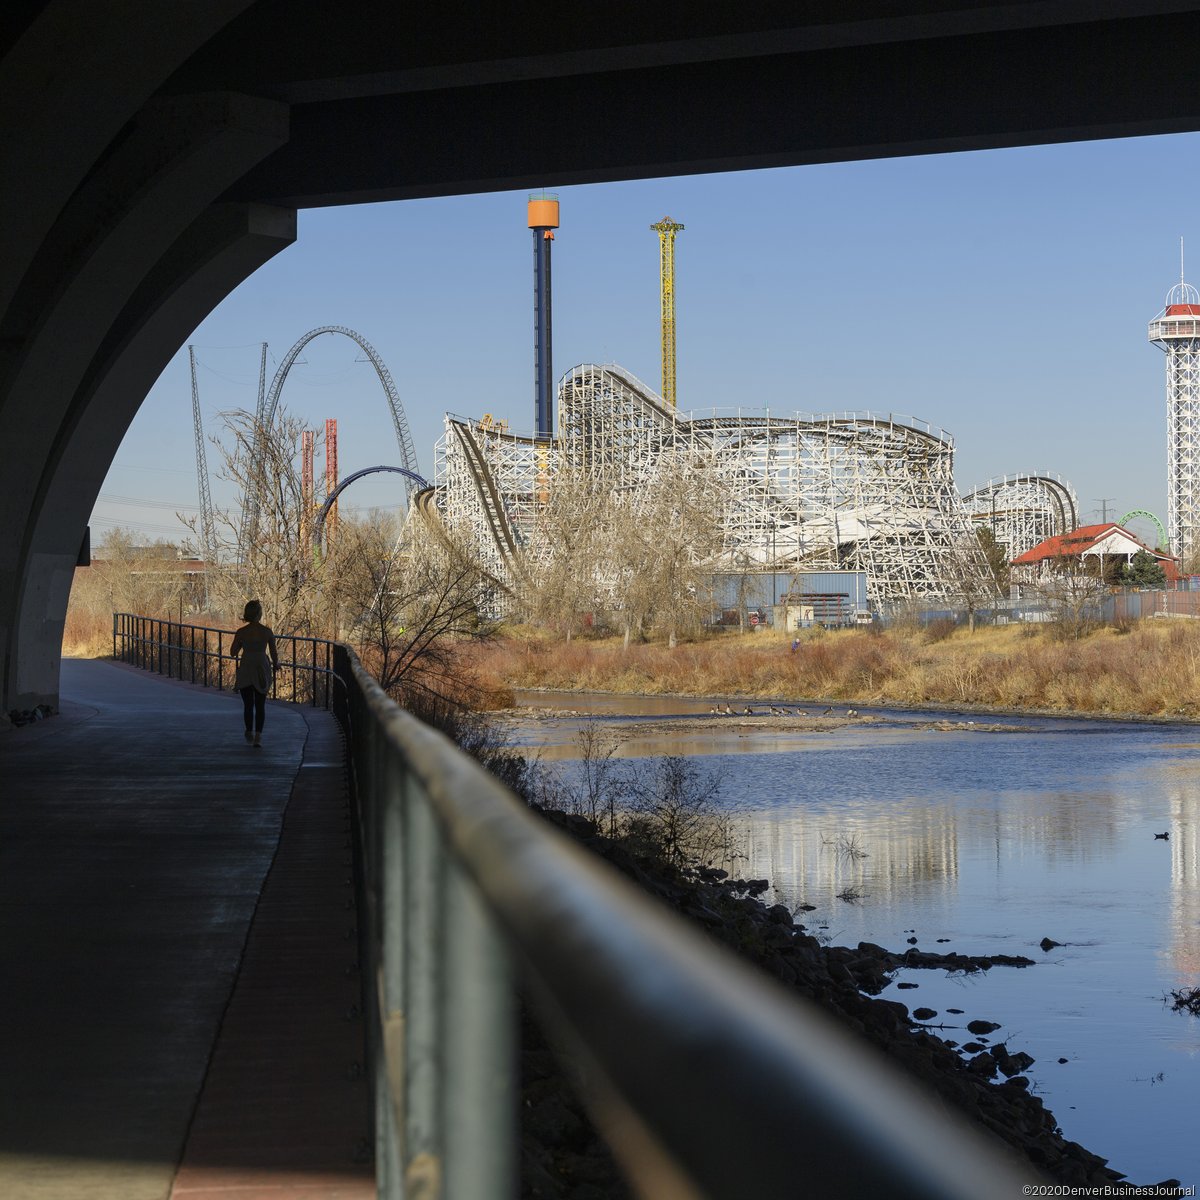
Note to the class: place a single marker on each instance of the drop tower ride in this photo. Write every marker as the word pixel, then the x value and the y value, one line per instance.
pixel 543 220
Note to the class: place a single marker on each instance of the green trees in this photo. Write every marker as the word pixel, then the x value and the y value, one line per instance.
pixel 1144 571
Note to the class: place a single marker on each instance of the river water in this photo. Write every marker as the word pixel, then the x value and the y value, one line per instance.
pixel 981 842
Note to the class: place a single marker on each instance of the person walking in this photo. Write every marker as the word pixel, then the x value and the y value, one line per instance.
pixel 254 648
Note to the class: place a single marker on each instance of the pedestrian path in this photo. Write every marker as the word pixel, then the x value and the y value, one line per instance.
pixel 178 995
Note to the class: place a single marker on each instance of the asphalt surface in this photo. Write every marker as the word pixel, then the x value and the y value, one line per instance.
pixel 179 995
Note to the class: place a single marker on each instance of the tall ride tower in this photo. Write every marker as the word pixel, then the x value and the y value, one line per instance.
pixel 666 230
pixel 543 220
pixel 1176 330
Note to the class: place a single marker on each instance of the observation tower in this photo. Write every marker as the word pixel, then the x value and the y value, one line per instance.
pixel 1176 331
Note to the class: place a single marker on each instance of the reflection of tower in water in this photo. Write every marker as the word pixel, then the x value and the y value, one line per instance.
pixel 1185 885
pixel 888 848
pixel 816 858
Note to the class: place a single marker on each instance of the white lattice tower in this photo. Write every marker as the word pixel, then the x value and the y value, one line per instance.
pixel 1176 331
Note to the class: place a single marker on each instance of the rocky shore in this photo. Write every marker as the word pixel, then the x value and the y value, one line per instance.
pixel 982 1076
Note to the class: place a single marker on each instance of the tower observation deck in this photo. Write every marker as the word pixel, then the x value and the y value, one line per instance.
pixel 1176 331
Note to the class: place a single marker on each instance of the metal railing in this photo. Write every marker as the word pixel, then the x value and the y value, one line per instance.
pixel 200 654
pixel 707 1079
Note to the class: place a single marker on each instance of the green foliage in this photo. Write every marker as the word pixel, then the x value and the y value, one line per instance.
pixel 1144 571
pixel 996 554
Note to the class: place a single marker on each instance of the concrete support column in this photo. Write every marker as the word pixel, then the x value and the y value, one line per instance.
pixel 134 260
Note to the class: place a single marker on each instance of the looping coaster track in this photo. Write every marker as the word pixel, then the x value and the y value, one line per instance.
pixel 268 402
pixel 850 491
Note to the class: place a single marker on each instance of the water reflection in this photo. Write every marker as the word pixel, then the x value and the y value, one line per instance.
pixel 986 843
pixel 1184 828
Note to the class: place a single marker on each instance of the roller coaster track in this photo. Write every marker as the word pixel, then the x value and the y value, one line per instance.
pixel 269 400
pixel 425 506
pixel 489 500
pixel 1059 492
pixel 1147 516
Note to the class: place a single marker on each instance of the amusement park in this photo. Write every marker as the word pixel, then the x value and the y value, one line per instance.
pixel 768 517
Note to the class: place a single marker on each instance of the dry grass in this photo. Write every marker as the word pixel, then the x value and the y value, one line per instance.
pixel 87 634
pixel 1151 669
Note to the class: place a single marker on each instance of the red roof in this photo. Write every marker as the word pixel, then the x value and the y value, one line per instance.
pixel 1182 310
pixel 1083 541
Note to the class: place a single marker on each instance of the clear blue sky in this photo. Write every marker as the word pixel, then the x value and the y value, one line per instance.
pixel 1001 295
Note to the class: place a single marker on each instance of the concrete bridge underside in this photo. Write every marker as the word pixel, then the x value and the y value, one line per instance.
pixel 153 156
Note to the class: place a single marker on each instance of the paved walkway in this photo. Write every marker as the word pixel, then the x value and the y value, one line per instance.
pixel 178 988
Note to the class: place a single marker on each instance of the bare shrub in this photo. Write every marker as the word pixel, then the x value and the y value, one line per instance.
pixel 1184 1000
pixel 478 737
pixel 675 815
pixel 940 628
pixel 846 845
pixel 602 788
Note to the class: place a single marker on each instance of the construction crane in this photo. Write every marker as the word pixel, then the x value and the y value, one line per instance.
pixel 666 230
pixel 207 525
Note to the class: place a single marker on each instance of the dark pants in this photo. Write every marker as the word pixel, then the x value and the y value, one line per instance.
pixel 254 705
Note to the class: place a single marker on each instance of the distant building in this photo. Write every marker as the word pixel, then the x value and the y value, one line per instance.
pixel 1105 545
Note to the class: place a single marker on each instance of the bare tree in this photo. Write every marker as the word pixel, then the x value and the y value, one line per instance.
pixel 408 602
pixel 971 577
pixel 665 541
pixel 646 553
pixel 128 576
pixel 276 566
pixel 996 555
pixel 1074 589
pixel 565 566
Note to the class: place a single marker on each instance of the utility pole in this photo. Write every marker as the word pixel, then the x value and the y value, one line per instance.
pixel 1104 502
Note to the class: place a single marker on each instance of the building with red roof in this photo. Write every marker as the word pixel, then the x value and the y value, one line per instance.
pixel 1105 545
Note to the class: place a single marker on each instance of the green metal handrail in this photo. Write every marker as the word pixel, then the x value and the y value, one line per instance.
pixel 706 1078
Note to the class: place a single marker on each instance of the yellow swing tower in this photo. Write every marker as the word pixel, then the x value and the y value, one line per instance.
pixel 666 230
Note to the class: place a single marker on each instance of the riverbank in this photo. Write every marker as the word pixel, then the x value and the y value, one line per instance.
pixel 1030 839
pixel 1150 669
pixel 965 1058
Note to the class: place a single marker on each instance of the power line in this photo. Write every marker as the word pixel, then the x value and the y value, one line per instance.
pixel 137 502
pixel 144 526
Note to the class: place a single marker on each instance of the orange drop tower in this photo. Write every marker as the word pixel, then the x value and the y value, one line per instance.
pixel 543 220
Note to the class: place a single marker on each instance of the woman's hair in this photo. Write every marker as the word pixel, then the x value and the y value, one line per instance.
pixel 252 611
